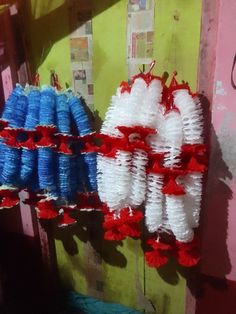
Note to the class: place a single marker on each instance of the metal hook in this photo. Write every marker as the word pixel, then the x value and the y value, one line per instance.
pixel 151 66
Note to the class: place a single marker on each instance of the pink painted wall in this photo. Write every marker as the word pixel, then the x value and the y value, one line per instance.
pixel 219 216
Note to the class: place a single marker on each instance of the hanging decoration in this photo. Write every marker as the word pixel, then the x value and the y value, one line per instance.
pixel 43 132
pixel 153 156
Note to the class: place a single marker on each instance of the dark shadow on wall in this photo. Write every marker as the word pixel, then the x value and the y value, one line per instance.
pixel 57 24
pixel 89 230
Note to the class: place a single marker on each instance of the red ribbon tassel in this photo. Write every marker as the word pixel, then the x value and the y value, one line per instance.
pixel 172 188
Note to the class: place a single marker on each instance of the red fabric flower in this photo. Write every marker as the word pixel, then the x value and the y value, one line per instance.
pixel 172 187
pixel 9 198
pixel 63 143
pixel 10 136
pixel 159 256
pixel 156 259
pixel 46 209
pixel 188 254
pixel 195 154
pixel 126 225
pixel 30 142
pixel 47 132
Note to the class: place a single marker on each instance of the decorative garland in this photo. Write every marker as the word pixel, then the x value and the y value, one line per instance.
pixel 152 155
pixel 43 138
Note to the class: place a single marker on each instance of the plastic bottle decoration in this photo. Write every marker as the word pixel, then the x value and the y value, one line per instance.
pixel 43 137
pixel 152 156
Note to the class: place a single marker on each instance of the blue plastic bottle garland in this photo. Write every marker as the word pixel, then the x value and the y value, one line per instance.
pixel 32 118
pixel 46 156
pixel 2 157
pixel 7 116
pixel 28 170
pixel 47 170
pixel 63 114
pixel 16 113
pixel 59 174
pixel 63 175
pixel 79 115
pixel 91 163
pixel 12 161
pixel 11 103
pixel 47 110
pixel 63 161
pixel 87 164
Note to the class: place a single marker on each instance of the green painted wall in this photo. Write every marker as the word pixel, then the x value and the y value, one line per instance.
pixel 116 273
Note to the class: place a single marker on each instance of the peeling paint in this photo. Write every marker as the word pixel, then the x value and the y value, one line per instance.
pixel 219 90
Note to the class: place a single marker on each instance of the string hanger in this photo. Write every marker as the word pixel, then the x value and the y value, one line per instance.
pixel 54 80
pixel 36 79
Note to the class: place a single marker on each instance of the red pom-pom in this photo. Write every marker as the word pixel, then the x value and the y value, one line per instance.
pixel 46 210
pixel 188 254
pixel 155 259
pixel 172 188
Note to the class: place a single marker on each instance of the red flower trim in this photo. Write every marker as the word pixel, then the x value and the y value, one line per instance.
pixel 172 187
pixel 64 141
pixel 188 254
pixel 195 155
pixel 156 259
pixel 126 225
pixel 46 132
pixel 46 209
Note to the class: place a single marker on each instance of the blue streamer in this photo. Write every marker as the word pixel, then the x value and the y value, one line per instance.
pixel 79 115
pixel 32 118
pixel 11 103
pixel 19 112
pixel 28 166
pixel 2 158
pixel 11 166
pixel 47 106
pixel 46 170
pixel 90 160
pixel 18 105
pixel 29 157
pixel 63 176
pixel 63 114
